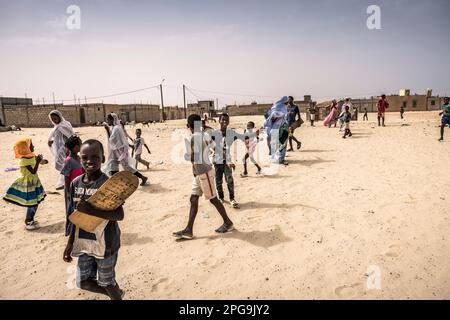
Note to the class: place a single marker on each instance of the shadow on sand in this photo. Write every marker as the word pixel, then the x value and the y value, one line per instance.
pixel 52 228
pixel 128 239
pixel 154 188
pixel 309 163
pixel 263 239
pixel 262 205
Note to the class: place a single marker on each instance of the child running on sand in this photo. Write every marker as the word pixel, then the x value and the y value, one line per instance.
pixel 137 149
pixel 97 252
pixel 224 138
pixel 72 168
pixel 203 182
pixel 250 146
pixel 346 117
pixel 27 190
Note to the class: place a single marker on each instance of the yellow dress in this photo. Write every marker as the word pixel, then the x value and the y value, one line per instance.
pixel 26 191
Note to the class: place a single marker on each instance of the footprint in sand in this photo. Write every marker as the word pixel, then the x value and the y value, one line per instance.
pixel 349 291
pixel 155 286
pixel 393 251
pixel 165 217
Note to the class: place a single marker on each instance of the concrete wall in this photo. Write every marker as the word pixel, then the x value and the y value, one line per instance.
pixel 260 108
pixel 37 115
pixel 411 103
pixel 248 110
pixel 435 103
pixel 173 113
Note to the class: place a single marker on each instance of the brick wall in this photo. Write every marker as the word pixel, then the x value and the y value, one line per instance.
pixel 37 115
pixel 29 116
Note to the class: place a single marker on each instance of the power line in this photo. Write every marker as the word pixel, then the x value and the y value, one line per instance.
pixel 112 95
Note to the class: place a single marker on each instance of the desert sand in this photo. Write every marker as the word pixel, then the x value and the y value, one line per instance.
pixel 362 218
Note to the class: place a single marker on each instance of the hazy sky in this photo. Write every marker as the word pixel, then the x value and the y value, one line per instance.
pixel 246 47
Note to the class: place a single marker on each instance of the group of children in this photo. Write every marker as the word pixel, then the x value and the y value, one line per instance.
pixel 209 151
pixel 97 252
pixel 82 170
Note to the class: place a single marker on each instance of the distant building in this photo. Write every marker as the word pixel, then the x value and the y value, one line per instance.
pixel 201 107
pixel 416 102
pixel 260 108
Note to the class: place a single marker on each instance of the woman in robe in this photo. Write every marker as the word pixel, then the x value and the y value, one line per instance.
pixel 278 129
pixel 118 149
pixel 62 130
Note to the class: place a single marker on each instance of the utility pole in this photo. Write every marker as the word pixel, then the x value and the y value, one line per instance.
pixel 75 99
pixel 162 101
pixel 54 103
pixel 184 100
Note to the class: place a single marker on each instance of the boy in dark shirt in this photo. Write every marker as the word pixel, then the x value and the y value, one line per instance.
pixel 347 116
pixel 292 113
pixel 96 252
pixel 72 168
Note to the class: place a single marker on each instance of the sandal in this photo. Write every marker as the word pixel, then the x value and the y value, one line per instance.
pixel 224 228
pixel 144 181
pixel 183 235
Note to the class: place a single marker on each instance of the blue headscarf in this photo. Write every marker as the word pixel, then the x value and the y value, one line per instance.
pixel 279 111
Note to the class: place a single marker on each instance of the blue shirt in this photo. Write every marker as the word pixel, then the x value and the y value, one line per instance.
pixel 446 109
pixel 292 111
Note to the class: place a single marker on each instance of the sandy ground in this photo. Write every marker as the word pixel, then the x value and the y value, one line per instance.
pixel 361 218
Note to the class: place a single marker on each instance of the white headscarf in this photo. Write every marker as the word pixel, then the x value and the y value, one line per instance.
pixel 118 147
pixel 64 126
pixel 60 133
pixel 118 139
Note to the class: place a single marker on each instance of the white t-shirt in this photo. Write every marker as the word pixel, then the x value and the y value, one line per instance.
pixel 138 143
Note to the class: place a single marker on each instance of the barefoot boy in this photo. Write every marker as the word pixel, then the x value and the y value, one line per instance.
pixel 203 182
pixel 96 252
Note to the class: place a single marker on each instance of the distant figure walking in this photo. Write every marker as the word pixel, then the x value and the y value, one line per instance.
pixel 402 111
pixel 312 114
pixel 365 117
pixel 332 116
pixel 382 106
